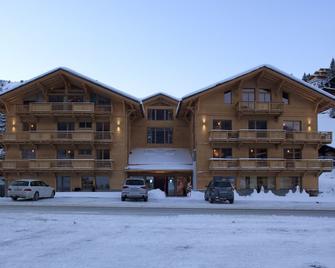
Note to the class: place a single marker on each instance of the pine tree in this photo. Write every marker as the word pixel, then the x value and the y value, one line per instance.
pixel 304 77
pixel 332 67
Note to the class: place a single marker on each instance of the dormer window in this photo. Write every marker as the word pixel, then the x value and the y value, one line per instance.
pixel 228 97
pixel 285 98
pixel 160 114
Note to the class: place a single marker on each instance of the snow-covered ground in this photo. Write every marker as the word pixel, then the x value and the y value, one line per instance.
pixel 57 241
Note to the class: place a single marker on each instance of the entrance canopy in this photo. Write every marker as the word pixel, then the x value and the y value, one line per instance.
pixel 160 159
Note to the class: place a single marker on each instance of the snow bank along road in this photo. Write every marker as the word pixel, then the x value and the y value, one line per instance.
pixel 101 241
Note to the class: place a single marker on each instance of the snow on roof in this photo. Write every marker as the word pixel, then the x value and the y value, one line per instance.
pixel 160 159
pixel 96 82
pixel 160 93
pixel 268 66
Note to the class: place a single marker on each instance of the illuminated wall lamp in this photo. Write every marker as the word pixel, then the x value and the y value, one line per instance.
pixel 203 123
pixel 118 123
pixel 309 124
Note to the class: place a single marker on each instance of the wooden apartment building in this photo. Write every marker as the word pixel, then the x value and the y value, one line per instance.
pixel 257 129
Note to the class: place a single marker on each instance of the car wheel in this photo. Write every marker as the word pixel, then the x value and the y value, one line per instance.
pixel 36 196
pixel 14 198
pixel 211 200
pixel 145 199
pixel 52 194
pixel 231 201
pixel 123 198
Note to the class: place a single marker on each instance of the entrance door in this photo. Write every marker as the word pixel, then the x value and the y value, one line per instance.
pixel 63 183
pixel 171 186
pixel 87 184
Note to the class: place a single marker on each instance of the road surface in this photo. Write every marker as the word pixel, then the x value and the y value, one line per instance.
pixel 150 211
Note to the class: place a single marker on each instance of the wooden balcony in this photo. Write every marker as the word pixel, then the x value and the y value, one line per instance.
pixel 61 108
pixel 263 108
pixel 48 165
pixel 268 136
pixel 54 137
pixel 269 164
pixel 309 137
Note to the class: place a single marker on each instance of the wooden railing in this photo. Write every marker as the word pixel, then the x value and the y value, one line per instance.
pixel 56 164
pixel 63 107
pixel 57 136
pixel 268 135
pixel 251 107
pixel 270 164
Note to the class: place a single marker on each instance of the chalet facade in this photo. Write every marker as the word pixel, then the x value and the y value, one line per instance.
pixel 257 129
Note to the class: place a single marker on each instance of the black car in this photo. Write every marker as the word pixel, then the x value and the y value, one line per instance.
pixel 219 190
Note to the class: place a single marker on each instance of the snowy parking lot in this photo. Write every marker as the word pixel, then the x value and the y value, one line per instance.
pixel 165 241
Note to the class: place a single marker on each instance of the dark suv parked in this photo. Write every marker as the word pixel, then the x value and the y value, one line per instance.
pixel 219 190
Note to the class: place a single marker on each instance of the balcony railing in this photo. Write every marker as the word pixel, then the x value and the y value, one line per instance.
pixel 57 136
pixel 270 164
pixel 253 107
pixel 56 165
pixel 268 136
pixel 62 107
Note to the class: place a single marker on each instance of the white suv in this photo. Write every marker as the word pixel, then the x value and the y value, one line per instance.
pixel 30 189
pixel 134 189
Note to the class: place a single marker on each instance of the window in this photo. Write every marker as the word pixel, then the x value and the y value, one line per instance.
pixel 100 100
pixel 159 135
pixel 85 152
pixel 248 95
pixel 290 182
pixel 63 183
pixel 56 98
pixel 28 154
pixel 28 126
pixel 264 95
pixel 87 183
pixel 65 126
pixel 102 126
pixel 85 124
pixel 76 98
pixel 292 153
pixel 160 114
pixel 292 125
pixel 258 153
pixel 285 98
pixel 101 183
pixel 228 97
pixel 222 153
pixel 257 124
pixel 222 124
pixel 103 154
pixel 65 154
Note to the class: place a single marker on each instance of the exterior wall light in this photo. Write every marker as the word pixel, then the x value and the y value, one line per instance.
pixel 309 124
pixel 13 125
pixel 204 123
pixel 118 123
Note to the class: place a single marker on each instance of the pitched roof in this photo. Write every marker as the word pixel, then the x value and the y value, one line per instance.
pixel 264 66
pixel 239 75
pixel 78 75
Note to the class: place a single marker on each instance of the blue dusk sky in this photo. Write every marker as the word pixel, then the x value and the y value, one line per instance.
pixel 142 47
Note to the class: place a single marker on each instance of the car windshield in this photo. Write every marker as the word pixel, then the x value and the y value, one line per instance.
pixel 135 182
pixel 222 184
pixel 20 183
